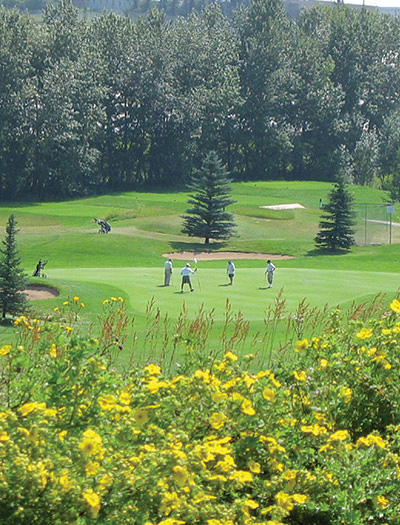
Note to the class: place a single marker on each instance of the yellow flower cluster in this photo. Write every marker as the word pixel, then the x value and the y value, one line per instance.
pixel 219 445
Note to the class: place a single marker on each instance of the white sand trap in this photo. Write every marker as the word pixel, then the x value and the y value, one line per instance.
pixel 283 206
pixel 40 291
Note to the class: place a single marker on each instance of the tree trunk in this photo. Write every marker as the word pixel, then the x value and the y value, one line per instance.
pixel 207 240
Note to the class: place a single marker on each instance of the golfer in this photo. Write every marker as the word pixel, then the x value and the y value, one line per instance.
pixel 167 272
pixel 270 273
pixel 230 270
pixel 186 272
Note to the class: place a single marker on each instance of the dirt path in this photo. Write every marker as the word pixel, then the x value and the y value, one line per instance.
pixel 216 256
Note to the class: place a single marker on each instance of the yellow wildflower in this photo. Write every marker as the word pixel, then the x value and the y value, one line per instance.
pixel 30 407
pixel 62 434
pixel 371 440
pixel 251 504
pixel 5 350
pixel 76 299
pixel 65 482
pixel 124 398
pixel 92 467
pixel 269 395
pixel 153 370
pixel 290 476
pixel 107 402
pixel 241 476
pixel 105 481
pixel 249 380
pixel 347 393
pixel 4 436
pixel 315 429
pixel 171 521
pixel 91 444
pixel 217 420
pixel 231 356
pixel 300 375
pixel 53 350
pixel 254 467
pixel 274 381
pixel 323 363
pixel 364 333
pixel 340 435
pixel 284 501
pixel 180 475
pixel 301 345
pixel 381 502
pixel 247 408
pixel 226 464
pixel 93 501
pixel 299 498
pixel 395 306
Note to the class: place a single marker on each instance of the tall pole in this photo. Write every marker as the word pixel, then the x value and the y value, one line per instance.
pixel 365 226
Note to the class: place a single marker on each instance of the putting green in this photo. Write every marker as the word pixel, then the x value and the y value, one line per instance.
pixel 249 294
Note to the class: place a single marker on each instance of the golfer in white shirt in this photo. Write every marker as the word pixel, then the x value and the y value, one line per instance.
pixel 186 272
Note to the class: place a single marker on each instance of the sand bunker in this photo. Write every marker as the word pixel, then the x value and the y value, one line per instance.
pixel 217 256
pixel 283 206
pixel 40 291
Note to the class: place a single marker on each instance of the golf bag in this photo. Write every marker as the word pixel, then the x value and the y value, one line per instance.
pixel 104 226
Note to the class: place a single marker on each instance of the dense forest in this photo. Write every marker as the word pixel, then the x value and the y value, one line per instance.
pixel 113 103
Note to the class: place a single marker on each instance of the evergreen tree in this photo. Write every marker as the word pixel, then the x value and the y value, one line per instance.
pixel 335 228
pixel 207 218
pixel 13 280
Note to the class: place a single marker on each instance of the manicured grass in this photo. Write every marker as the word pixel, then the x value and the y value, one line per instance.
pixel 129 263
pixel 249 294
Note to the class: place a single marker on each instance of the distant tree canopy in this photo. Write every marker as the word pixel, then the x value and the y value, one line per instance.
pixel 111 103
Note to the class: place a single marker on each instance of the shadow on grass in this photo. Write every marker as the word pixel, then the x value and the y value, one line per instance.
pixel 196 247
pixel 325 251
pixel 7 322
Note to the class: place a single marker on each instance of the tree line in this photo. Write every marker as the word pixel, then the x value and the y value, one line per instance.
pixel 113 103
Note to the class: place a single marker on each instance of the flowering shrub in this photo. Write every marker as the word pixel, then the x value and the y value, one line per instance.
pixel 315 442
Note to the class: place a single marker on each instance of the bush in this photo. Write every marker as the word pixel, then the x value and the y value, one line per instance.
pixel 316 442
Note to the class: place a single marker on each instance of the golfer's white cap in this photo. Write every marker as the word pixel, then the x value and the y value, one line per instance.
pixel 187 264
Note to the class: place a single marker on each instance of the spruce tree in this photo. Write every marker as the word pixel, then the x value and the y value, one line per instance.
pixel 13 279
pixel 210 196
pixel 336 226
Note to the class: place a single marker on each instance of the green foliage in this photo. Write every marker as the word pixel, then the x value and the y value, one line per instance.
pixel 208 218
pixel 336 228
pixel 112 102
pixel 311 440
pixel 13 279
